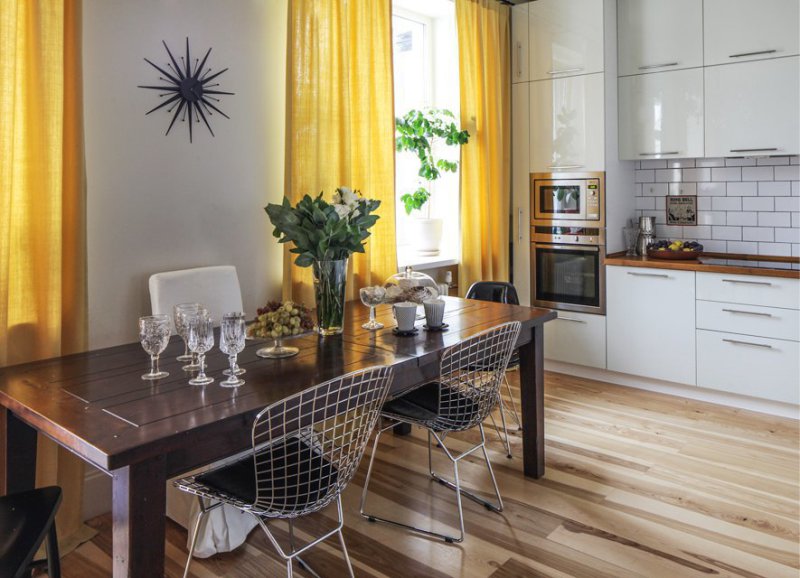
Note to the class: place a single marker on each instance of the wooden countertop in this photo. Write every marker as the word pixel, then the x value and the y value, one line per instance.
pixel 708 263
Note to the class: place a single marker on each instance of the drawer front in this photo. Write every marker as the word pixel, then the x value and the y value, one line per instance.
pixel 749 290
pixel 749 320
pixel 576 338
pixel 754 366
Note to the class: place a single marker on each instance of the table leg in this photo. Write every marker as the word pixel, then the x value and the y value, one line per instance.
pixel 17 454
pixel 531 386
pixel 139 505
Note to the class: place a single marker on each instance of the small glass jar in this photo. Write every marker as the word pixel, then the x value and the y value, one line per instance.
pixel 410 286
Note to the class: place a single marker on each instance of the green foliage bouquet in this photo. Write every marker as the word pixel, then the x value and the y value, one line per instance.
pixel 323 231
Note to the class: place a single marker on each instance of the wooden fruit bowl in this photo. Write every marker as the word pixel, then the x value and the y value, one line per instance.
pixel 674 255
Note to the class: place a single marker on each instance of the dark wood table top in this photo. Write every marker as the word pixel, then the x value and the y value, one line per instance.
pixel 96 404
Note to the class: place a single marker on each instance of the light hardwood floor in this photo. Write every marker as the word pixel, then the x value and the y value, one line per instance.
pixel 637 484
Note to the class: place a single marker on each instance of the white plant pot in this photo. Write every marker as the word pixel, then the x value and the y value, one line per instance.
pixel 427 236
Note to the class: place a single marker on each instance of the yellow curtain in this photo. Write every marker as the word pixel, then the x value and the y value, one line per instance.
pixel 340 122
pixel 484 63
pixel 42 207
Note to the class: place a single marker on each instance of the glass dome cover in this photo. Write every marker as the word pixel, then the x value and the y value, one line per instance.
pixel 410 286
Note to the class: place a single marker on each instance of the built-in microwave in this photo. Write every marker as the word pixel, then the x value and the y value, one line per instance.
pixel 567 198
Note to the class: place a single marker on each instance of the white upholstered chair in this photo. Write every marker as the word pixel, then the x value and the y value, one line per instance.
pixel 224 528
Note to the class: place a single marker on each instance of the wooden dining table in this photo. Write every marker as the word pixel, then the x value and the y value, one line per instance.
pixel 142 433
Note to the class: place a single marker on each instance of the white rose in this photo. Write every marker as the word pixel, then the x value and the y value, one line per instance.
pixel 348 196
pixel 342 210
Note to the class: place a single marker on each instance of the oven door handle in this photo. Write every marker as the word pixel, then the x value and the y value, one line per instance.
pixel 584 248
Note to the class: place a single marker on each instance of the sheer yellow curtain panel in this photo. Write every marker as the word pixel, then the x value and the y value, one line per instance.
pixel 340 121
pixel 42 206
pixel 483 50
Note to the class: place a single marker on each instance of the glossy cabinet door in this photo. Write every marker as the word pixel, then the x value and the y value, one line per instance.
pixel 567 124
pixel 659 35
pixel 519 43
pixel 650 317
pixel 753 108
pixel 578 338
pixel 740 30
pixel 661 115
pixel 566 38
pixel 520 190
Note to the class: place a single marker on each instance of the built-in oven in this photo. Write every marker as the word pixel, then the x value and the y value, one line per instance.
pixel 568 241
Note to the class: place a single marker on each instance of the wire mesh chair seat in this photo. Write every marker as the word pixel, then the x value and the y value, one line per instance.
pixel 500 292
pixel 459 400
pixel 306 449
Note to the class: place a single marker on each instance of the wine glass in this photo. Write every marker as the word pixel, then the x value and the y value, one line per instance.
pixel 180 313
pixel 201 340
pixel 372 296
pixel 154 332
pixel 231 341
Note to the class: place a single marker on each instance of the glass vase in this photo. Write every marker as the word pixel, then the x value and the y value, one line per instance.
pixel 329 291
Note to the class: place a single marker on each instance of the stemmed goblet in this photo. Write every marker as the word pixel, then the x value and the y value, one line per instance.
pixel 181 311
pixel 201 340
pixel 154 331
pixel 371 297
pixel 232 332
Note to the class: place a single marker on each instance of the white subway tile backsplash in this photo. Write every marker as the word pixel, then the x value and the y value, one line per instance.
pixel 774 189
pixel 757 173
pixel 661 203
pixel 727 233
pixel 647 176
pixel 645 203
pixel 654 189
pixel 696 175
pixel 758 234
pixel 795 160
pixel 726 204
pixel 704 203
pixel 668 176
pixel 758 204
pixel 782 249
pixel 764 161
pixel 711 189
pixel 743 218
pixel 726 174
pixel 796 188
pixel 681 163
pixel 796 220
pixel 740 162
pixel 789 204
pixel 742 189
pixel 715 246
pixel 787 235
pixel 653 164
pixel 710 162
pixel 712 218
pixel 745 248
pixel 774 220
pixel 682 188
pixel 697 232
pixel 790 173
pixel 669 232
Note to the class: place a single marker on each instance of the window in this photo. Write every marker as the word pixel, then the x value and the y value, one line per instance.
pixel 426 75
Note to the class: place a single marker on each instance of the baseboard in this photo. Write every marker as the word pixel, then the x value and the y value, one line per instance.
pixel 688 391
pixel 96 493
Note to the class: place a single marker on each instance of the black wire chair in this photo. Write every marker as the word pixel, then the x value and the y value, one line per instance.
pixel 464 395
pixel 26 520
pixel 306 448
pixel 500 292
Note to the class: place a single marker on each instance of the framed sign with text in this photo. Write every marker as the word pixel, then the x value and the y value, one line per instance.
pixel 682 210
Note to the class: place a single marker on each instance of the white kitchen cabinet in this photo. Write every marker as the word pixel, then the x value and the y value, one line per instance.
pixel 754 366
pixel 519 44
pixel 650 316
pixel 661 115
pixel 740 30
pixel 749 290
pixel 749 319
pixel 753 108
pixel 578 338
pixel 565 37
pixel 567 124
pixel 520 190
pixel 658 35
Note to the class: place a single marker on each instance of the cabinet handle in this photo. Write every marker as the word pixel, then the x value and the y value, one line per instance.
pixel 759 314
pixel 737 342
pixel 519 225
pixel 656 154
pixel 662 276
pixel 562 167
pixel 519 59
pixel 773 51
pixel 649 66
pixel 565 70
pixel 767 283
pixel 753 150
pixel 571 319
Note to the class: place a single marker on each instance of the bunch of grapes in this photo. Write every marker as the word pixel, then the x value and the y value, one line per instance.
pixel 278 319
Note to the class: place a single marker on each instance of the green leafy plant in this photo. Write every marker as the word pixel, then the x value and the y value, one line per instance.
pixel 323 231
pixel 416 132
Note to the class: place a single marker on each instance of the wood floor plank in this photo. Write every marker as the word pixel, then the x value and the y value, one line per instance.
pixel 638 484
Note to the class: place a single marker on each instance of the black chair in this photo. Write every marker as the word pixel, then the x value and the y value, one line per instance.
pixel 26 520
pixel 500 292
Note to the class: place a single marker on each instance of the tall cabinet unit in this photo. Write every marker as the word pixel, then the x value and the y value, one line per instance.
pixel 520 190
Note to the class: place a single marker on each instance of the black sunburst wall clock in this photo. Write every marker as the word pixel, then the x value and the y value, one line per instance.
pixel 188 90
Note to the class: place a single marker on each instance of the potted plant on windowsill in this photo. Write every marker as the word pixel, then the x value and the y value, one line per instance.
pixel 417 132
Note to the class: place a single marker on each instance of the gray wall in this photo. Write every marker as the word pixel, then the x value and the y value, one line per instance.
pixel 155 202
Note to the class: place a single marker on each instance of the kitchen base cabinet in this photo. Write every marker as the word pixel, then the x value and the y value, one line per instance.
pixel 578 338
pixel 747 365
pixel 650 316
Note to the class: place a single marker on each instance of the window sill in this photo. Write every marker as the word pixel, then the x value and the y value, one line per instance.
pixel 408 257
